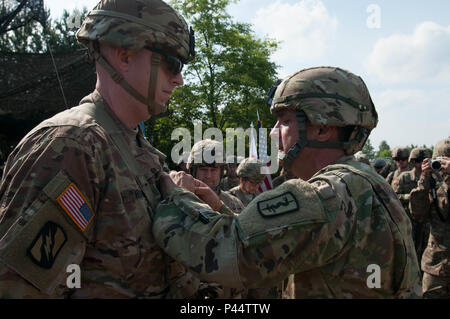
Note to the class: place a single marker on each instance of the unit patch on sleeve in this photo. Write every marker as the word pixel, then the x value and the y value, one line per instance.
pixel 278 205
pixel 45 247
pixel 76 206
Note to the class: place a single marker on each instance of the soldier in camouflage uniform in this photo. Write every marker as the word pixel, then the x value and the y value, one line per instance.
pixel 378 165
pixel 338 227
pixel 81 187
pixel 211 171
pixel 231 179
pixel 400 156
pixel 403 185
pixel 429 201
pixel 249 173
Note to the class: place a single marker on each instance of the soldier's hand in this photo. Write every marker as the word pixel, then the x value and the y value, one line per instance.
pixel 426 167
pixel 165 184
pixel 445 162
pixel 206 194
pixel 183 179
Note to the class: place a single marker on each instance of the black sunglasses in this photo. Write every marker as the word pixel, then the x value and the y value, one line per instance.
pixel 400 159
pixel 174 64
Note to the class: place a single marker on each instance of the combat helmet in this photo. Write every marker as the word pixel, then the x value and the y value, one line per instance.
pixel 363 158
pixel 326 96
pixel 442 148
pixel 250 168
pixel 419 154
pixel 400 152
pixel 379 163
pixel 206 153
pixel 133 25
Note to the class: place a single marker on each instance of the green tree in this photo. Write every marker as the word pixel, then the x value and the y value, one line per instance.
pixel 226 82
pixel 368 150
pixel 32 36
pixel 384 150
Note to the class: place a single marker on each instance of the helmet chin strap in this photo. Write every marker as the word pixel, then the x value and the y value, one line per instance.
pixel 154 108
pixel 287 158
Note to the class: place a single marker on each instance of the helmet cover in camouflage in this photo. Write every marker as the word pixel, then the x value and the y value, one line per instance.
pixel 362 158
pixel 419 153
pixel 133 24
pixel 250 168
pixel 206 153
pixel 442 148
pixel 400 152
pixel 328 96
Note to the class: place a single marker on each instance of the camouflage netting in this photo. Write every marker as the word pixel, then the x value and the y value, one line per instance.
pixel 30 91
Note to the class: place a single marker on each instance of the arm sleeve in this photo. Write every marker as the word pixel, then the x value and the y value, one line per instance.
pixel 419 200
pixel 39 238
pixel 283 231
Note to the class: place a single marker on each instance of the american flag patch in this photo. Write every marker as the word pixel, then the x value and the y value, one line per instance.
pixel 76 206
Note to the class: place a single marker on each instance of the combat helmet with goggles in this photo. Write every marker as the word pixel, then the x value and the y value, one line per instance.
pixel 137 24
pixel 326 96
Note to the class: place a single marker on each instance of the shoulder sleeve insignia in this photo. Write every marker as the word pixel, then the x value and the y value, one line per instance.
pixel 281 204
pixel 73 202
pixel 45 247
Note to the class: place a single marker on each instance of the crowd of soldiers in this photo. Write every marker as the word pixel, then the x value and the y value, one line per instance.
pixel 423 189
pixel 86 188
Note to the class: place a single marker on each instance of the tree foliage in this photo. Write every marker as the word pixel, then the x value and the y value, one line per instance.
pixel 35 36
pixel 226 82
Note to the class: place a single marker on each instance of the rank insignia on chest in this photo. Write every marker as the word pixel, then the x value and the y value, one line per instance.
pixel 48 243
pixel 281 204
pixel 76 206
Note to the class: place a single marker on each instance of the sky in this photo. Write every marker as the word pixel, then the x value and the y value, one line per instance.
pixel 400 48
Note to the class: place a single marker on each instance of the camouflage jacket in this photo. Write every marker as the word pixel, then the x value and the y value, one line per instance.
pixel 392 176
pixel 67 197
pixel 245 198
pixel 403 185
pixel 331 231
pixel 232 202
pixel 436 257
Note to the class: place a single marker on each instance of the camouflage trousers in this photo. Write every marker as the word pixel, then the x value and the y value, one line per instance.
pixel 435 287
pixel 421 233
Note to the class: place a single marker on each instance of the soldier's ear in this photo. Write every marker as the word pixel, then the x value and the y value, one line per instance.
pixel 322 133
pixel 123 58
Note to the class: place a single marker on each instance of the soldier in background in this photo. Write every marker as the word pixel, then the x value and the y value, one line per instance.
pixel 249 173
pixel 363 158
pixel 378 165
pixel 429 201
pixel 329 226
pixel 231 179
pixel 403 185
pixel 400 156
pixel 81 187
pixel 211 173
